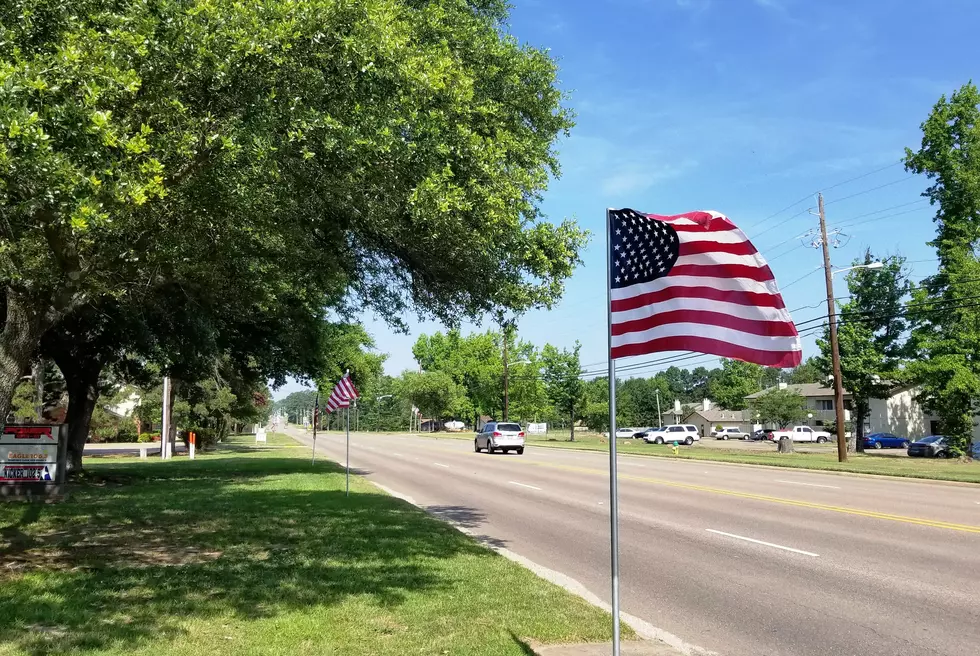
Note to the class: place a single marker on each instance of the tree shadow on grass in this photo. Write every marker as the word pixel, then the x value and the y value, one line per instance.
pixel 125 563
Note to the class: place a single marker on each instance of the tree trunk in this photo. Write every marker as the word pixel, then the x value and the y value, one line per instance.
pixel 19 343
pixel 82 382
pixel 571 424
pixel 860 412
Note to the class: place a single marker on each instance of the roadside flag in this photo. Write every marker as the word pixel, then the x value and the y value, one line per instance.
pixel 694 282
pixel 343 392
pixel 686 282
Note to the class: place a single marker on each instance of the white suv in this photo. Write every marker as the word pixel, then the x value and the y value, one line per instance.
pixel 500 435
pixel 684 433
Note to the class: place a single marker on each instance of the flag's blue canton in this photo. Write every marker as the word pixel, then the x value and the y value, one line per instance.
pixel 643 249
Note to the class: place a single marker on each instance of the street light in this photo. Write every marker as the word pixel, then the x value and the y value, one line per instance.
pixel 834 346
pixel 872 265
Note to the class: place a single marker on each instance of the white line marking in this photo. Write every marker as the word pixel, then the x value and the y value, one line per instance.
pixel 832 487
pixel 397 455
pixel 767 544
pixel 523 485
pixel 439 464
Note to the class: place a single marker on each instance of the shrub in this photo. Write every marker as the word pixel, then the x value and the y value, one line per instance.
pixel 148 437
pixel 127 434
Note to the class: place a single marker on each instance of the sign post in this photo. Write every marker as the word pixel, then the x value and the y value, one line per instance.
pixel 32 459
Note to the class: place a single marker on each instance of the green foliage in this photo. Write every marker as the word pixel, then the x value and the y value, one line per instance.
pixel 810 370
pixel 560 371
pixel 636 401
pixel 435 394
pixel 781 407
pixel 736 381
pixel 946 334
pixel 264 161
pixel 871 334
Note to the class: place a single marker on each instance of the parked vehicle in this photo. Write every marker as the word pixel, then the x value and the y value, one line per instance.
pixel 885 441
pixel 933 446
pixel 799 434
pixel 729 433
pixel 642 432
pixel 758 435
pixel 504 436
pixel 684 433
pixel 625 433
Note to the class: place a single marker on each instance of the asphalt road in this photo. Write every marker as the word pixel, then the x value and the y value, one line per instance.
pixel 743 561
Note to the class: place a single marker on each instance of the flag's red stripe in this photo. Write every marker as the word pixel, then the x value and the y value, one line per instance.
pixel 759 274
pixel 702 247
pixel 715 226
pixel 751 326
pixel 751 299
pixel 782 359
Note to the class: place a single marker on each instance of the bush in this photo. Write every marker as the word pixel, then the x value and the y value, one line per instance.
pixel 127 434
pixel 148 437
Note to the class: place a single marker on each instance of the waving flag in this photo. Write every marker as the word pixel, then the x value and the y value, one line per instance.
pixel 342 394
pixel 694 282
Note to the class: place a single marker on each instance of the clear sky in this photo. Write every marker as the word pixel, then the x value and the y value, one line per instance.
pixel 745 107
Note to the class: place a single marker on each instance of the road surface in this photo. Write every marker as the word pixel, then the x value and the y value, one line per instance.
pixel 743 561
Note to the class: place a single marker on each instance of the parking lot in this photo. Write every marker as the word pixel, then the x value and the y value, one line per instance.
pixel 801 447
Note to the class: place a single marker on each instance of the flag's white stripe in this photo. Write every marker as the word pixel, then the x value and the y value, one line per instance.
pixel 723 237
pixel 726 284
pixel 731 309
pixel 729 335
pixel 756 260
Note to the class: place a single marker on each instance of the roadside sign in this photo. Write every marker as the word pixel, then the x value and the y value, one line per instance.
pixel 39 473
pixel 32 458
pixel 260 435
pixel 29 435
pixel 537 429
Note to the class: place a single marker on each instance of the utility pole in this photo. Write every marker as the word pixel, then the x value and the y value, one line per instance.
pixel 505 328
pixel 834 349
pixel 660 417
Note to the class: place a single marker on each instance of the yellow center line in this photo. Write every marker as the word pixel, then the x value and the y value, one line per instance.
pixel 966 528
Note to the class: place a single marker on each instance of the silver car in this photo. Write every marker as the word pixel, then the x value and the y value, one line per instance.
pixel 500 436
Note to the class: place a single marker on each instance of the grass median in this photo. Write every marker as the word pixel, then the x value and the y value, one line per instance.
pixel 250 550
pixel 823 457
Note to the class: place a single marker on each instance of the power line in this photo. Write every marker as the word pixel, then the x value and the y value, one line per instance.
pixel 868 191
pixel 862 176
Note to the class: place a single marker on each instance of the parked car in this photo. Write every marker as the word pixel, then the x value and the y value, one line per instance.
pixel 685 433
pixel 503 435
pixel 799 434
pixel 758 435
pixel 625 433
pixel 933 446
pixel 729 433
pixel 642 432
pixel 885 441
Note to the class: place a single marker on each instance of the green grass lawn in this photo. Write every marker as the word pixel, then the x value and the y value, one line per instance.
pixel 250 550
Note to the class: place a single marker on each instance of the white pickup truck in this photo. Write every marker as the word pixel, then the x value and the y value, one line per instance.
pixel 799 434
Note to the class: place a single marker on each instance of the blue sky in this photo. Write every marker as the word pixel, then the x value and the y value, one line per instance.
pixel 741 106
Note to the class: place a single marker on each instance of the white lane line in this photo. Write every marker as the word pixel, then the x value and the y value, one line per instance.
pixel 397 455
pixel 439 464
pixel 832 487
pixel 767 544
pixel 530 487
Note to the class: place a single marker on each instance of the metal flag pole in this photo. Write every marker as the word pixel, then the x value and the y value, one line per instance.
pixel 613 481
pixel 316 412
pixel 347 493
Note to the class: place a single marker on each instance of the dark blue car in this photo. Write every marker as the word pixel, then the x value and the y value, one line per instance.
pixel 885 441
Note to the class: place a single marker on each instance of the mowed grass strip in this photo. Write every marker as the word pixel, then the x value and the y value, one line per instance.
pixel 251 550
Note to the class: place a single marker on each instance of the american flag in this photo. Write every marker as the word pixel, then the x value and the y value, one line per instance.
pixel 694 282
pixel 342 394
